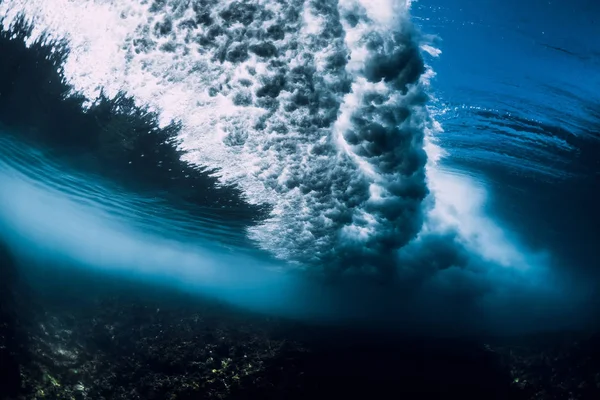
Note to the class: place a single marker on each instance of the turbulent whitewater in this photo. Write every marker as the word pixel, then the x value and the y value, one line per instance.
pixel 317 108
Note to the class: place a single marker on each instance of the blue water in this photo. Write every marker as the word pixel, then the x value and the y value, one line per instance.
pixel 518 95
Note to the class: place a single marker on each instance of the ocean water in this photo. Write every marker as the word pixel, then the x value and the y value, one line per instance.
pixel 517 93
pixel 394 164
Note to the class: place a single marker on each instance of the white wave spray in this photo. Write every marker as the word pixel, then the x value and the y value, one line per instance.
pixel 316 108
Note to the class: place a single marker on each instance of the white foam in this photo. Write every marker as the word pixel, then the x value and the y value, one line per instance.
pixel 113 49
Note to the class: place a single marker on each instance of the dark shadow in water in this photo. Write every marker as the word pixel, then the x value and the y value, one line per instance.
pixel 113 138
pixel 376 368
pixel 10 340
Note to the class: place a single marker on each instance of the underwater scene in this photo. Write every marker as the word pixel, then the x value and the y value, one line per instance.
pixel 299 199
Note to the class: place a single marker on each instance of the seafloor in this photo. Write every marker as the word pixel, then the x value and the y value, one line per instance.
pixel 69 335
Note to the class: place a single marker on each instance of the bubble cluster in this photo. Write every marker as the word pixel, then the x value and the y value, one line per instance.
pixel 316 108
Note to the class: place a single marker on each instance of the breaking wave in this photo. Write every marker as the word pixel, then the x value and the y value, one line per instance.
pixel 315 108
pixel 299 127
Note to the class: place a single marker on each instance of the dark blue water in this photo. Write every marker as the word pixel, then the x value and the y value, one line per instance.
pixel 518 95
